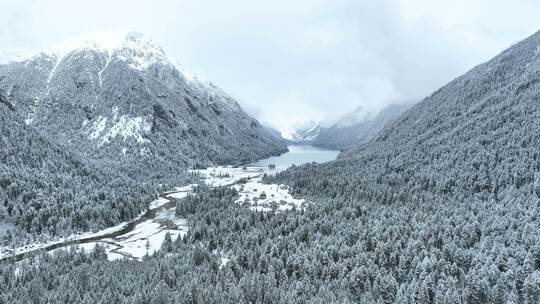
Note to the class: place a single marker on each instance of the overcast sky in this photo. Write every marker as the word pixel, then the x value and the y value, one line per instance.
pixel 289 60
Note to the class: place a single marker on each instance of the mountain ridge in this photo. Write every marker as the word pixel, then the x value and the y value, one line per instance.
pixel 455 179
pixel 357 127
pixel 126 105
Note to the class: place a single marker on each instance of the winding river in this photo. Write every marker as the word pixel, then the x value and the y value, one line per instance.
pixel 145 233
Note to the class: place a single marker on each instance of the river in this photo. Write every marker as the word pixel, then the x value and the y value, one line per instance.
pixel 145 233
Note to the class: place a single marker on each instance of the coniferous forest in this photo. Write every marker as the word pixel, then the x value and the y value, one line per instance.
pixel 125 179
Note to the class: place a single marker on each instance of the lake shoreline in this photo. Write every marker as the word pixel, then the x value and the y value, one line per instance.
pixel 276 197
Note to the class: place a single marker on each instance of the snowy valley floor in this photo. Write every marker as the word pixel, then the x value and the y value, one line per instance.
pixel 145 234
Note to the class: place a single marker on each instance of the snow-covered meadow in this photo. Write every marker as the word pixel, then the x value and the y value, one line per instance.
pixel 132 244
pixel 146 236
pixel 251 190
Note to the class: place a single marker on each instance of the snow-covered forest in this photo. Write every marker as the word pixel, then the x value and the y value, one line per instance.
pixel 124 178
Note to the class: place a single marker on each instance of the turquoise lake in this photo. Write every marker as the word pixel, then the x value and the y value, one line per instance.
pixel 297 155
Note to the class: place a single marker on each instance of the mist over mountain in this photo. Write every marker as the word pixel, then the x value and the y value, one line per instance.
pixel 357 127
pixel 13 55
pixel 302 131
pixel 476 134
pixel 354 128
pixel 116 99
pixel 463 166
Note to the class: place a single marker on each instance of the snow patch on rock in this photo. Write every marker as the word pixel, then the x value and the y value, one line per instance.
pixel 122 126
pixel 127 127
pixel 97 127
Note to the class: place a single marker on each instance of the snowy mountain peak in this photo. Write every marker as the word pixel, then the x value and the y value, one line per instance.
pixel 108 41
pixel 133 47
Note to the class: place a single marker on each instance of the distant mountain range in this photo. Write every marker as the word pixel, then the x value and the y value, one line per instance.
pixel 354 128
pixel 115 99
pixel 302 131
pixel 357 127
pixel 455 180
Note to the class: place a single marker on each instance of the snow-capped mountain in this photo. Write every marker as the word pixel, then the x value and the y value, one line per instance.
pixel 302 131
pixel 131 47
pixel 115 97
pixel 358 127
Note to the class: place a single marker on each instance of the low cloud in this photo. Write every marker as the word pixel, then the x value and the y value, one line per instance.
pixel 303 60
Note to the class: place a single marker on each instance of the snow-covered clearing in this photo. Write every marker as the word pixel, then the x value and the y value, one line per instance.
pixel 263 197
pixel 251 191
pixel 132 243
pixel 145 235
pixel 227 175
pixel 145 238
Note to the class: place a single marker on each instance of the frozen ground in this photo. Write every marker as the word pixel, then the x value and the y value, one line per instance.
pixel 132 244
pixel 261 197
pixel 222 176
pixel 145 238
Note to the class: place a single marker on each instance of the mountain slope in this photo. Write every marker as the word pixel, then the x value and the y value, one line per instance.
pixel 116 99
pixel 442 207
pixel 476 133
pixel 357 128
pixel 46 191
pixel 447 197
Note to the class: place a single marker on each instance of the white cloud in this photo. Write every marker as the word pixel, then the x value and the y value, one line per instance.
pixel 297 60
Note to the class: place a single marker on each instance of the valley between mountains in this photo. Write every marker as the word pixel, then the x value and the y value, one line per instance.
pixel 145 234
pixel 126 179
